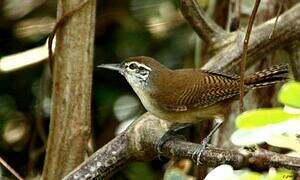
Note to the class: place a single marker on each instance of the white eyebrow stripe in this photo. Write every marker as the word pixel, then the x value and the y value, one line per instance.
pixel 143 65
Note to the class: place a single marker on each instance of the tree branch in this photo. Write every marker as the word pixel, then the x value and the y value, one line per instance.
pixel 213 157
pixel 106 160
pixel 205 27
pixel 287 32
pixel 138 143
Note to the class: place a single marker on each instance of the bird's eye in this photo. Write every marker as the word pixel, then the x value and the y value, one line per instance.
pixel 132 66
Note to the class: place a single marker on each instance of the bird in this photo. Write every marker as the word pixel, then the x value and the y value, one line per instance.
pixel 188 96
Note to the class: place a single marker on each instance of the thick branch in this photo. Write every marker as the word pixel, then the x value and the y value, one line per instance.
pixel 71 94
pixel 259 159
pixel 138 143
pixel 205 27
pixel 287 31
pixel 106 160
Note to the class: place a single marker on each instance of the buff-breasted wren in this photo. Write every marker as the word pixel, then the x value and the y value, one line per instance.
pixel 188 95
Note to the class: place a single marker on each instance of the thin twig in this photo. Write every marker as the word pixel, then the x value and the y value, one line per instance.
pixel 58 24
pixel 7 166
pixel 278 13
pixel 244 55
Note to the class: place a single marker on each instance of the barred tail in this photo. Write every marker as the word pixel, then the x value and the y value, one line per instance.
pixel 266 77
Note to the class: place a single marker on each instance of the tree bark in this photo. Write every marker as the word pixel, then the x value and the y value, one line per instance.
pixel 71 93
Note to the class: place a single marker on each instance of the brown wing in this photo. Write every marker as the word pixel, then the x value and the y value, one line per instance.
pixel 201 90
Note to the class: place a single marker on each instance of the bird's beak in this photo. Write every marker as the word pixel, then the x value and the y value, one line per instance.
pixel 115 67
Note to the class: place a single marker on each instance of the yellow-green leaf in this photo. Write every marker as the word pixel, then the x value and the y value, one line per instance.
pixel 261 117
pixel 289 94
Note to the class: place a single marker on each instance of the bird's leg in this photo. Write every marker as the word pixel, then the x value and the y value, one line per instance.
pixel 170 134
pixel 200 148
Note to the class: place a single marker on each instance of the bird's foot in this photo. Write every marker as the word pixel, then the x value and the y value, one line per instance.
pixel 199 150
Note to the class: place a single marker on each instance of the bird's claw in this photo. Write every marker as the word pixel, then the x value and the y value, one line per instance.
pixel 199 150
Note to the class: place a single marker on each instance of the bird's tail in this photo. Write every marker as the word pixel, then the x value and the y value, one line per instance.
pixel 266 77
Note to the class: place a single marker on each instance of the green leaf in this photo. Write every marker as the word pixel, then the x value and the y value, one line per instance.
pixel 289 94
pixel 261 117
